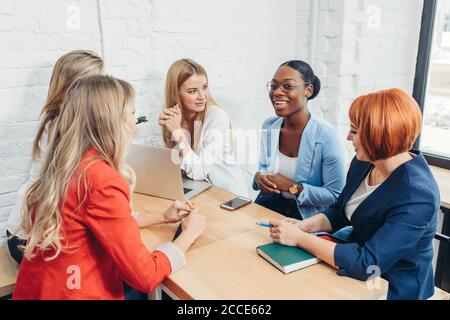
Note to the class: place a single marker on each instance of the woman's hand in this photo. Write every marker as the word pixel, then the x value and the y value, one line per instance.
pixel 280 181
pixel 177 211
pixel 299 223
pixel 194 224
pixel 192 228
pixel 284 232
pixel 266 186
pixel 170 118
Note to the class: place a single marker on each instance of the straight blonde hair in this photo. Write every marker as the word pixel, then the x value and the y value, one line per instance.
pixel 69 68
pixel 93 115
pixel 178 73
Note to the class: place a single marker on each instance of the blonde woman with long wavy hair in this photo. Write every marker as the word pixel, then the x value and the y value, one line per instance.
pixel 193 123
pixel 68 68
pixel 83 241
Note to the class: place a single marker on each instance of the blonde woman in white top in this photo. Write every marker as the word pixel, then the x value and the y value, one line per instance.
pixel 193 124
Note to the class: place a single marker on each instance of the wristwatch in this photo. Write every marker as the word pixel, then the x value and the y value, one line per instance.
pixel 294 189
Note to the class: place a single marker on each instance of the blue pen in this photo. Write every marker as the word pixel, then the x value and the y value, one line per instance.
pixel 268 225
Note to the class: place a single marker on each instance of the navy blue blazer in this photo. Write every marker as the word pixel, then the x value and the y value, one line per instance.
pixel 393 229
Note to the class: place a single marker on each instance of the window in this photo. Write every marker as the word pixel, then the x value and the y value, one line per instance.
pixel 432 82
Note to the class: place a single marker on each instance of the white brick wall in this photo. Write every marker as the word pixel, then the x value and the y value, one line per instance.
pixel 240 42
pixel 360 46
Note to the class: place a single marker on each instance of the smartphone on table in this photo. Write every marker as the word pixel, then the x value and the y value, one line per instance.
pixel 235 203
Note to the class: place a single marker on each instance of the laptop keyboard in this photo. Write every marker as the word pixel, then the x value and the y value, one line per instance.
pixel 186 190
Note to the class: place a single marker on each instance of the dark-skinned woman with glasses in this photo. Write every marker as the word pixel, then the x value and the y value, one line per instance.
pixel 301 163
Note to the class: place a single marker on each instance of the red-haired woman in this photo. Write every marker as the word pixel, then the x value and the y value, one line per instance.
pixel 390 198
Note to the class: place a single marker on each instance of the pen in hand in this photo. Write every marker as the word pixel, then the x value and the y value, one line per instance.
pixel 262 224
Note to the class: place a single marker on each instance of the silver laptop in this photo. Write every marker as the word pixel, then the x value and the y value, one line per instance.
pixel 157 175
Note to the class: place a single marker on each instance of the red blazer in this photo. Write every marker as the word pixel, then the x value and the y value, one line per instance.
pixel 103 246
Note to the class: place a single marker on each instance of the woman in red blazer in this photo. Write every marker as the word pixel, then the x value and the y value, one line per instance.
pixel 83 242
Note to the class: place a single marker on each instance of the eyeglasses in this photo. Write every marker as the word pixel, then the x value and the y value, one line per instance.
pixel 285 87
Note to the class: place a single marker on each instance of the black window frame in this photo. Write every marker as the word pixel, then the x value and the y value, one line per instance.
pixel 422 70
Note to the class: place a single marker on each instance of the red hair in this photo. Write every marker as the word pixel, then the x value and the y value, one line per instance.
pixel 388 122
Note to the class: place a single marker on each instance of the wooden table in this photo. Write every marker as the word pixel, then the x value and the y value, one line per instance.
pixel 223 263
pixel 8 272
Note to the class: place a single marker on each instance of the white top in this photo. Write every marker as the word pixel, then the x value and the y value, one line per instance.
pixel 213 156
pixel 287 167
pixel 15 216
pixel 176 256
pixel 360 194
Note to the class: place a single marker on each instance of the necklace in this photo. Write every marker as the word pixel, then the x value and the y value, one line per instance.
pixel 372 177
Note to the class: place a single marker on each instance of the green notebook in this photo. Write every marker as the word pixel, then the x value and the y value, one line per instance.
pixel 286 258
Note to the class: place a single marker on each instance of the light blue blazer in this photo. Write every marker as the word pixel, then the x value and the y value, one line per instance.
pixel 320 166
